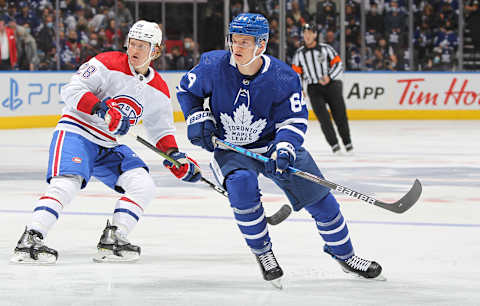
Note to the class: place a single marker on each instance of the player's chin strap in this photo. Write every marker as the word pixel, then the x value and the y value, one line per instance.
pixel 254 52
pixel 274 219
pixel 148 60
pixel 254 56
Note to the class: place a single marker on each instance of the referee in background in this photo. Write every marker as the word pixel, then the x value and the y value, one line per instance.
pixel 320 67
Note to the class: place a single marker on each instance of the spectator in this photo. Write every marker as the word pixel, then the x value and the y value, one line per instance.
pixel 213 37
pixel 395 39
pixel 70 54
pixel 272 47
pixel 371 38
pixel 48 61
pixel 82 30
pixel 423 39
pixel 388 56
pixel 99 20
pixel 103 37
pixel 27 51
pixel 332 40
pixel 404 58
pixel 293 37
pixel 375 5
pixel 375 20
pixel 12 9
pixel 3 6
pixel 236 8
pixel 354 59
pixel 124 16
pixel 27 16
pixel 326 13
pixel 91 49
pixel 473 25
pixel 298 16
pixel 443 58
pixel 46 34
pixel 379 62
pixel 395 5
pixel 68 7
pixel 8 46
pixel 91 9
pixel 191 53
pixel 175 59
pixel 113 35
pixel 395 18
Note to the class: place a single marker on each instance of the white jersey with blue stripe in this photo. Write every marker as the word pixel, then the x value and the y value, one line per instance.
pixel 254 112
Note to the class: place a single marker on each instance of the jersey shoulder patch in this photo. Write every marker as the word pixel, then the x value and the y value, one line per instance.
pixel 115 60
pixel 159 83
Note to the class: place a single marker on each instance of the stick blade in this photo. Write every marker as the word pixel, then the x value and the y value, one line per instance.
pixel 280 215
pixel 407 201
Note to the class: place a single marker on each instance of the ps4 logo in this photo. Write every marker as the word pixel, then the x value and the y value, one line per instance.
pixel 13 101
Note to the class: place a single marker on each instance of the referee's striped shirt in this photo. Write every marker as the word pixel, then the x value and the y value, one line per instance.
pixel 315 63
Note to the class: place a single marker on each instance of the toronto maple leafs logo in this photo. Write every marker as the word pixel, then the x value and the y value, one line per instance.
pixel 240 129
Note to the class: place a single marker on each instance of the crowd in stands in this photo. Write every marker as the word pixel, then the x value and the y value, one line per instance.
pixel 88 27
pixel 435 31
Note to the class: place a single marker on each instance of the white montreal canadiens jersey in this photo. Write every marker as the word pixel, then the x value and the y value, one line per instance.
pixel 141 98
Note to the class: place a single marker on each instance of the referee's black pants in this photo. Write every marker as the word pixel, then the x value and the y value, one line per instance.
pixel 331 94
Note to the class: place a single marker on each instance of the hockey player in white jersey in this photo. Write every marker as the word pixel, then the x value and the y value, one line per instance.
pixel 256 102
pixel 107 95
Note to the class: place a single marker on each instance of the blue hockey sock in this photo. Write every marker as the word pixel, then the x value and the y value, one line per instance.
pixel 244 196
pixel 332 226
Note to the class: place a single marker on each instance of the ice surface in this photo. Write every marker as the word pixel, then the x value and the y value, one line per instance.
pixel 193 253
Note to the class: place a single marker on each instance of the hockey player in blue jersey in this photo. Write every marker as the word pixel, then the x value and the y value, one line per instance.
pixel 255 101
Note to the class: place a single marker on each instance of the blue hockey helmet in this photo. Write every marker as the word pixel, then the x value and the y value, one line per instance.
pixel 255 25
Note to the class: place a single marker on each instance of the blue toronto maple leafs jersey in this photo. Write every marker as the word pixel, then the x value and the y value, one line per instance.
pixel 253 112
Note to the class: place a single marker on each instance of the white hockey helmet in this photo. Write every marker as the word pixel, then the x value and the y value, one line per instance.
pixel 146 31
pixel 149 32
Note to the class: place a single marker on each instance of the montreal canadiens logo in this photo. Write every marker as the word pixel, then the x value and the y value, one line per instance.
pixel 130 107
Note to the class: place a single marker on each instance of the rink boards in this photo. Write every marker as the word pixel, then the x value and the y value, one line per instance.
pixel 32 99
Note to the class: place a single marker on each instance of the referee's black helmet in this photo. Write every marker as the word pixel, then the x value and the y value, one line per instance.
pixel 309 26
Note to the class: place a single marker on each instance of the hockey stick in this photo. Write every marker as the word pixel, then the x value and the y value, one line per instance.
pixel 274 219
pixel 399 207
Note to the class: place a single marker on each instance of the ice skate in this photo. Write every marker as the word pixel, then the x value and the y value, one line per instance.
pixel 114 247
pixel 349 149
pixel 31 250
pixel 270 269
pixel 359 266
pixel 336 149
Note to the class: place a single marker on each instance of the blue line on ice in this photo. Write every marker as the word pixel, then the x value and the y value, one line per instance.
pixel 229 218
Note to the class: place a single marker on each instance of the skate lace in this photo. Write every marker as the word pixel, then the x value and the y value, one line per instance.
pixel 268 261
pixel 358 263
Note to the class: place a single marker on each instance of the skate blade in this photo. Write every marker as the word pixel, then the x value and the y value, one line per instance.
pixel 108 256
pixel 24 258
pixel 277 283
pixel 379 278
